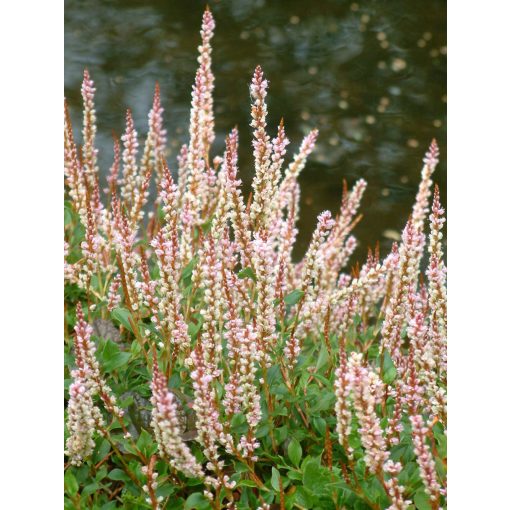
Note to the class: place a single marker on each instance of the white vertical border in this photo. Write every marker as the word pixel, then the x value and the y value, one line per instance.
pixel 31 407
pixel 478 253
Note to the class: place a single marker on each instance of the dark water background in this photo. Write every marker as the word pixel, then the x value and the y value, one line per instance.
pixel 370 75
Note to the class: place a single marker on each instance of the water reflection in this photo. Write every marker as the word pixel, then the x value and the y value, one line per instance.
pixel 371 76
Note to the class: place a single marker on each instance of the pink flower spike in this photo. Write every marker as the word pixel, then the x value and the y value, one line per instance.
pixel 89 130
pixel 432 156
pixel 130 178
pixel 424 457
pixel 167 428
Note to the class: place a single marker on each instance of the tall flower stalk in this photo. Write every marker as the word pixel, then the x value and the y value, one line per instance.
pixel 167 428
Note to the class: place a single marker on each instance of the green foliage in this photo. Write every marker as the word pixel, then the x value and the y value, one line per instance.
pixel 389 370
pixel 293 297
pixel 247 272
pixel 295 452
pixel 422 501
pixel 123 316
pixel 196 501
pixel 112 357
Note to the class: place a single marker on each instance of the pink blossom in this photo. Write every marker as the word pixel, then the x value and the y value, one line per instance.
pixel 263 181
pixel 89 130
pixel 83 418
pixel 167 429
pixel 424 457
pixel 395 491
pixel 367 391
pixel 169 304
pixel 113 294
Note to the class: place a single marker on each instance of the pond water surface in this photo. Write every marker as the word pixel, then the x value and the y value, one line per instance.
pixel 370 75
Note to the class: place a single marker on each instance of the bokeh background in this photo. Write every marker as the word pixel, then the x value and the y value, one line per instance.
pixel 371 75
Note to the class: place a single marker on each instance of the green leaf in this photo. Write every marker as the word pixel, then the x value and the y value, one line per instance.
pixel 118 475
pixel 316 477
pixel 262 431
pixel 274 375
pixel 247 272
pixel 403 452
pixel 295 452
pixel 186 272
pixel 294 475
pixel 361 505
pixel 70 483
pixel 109 506
pixel 304 497
pixel 375 492
pixel 441 443
pixel 354 441
pixel 68 360
pixel 422 501
pixel 146 443
pixel 79 232
pixel 165 490
pixel 90 489
pixel 410 475
pixel 281 410
pixel 101 473
pixel 68 217
pixel 238 423
pixel 101 451
pixel 113 357
pixel 206 227
pixel 247 483
pixel 389 370
pixel 293 297
pixel 324 401
pixel 240 467
pixel 341 484
pixel 120 360
pixel 319 424
pixel 82 473
pixel 136 348
pixel 322 358
pixel 194 328
pixel 197 501
pixel 281 434
pixel 122 315
pixel 281 390
pixel 275 479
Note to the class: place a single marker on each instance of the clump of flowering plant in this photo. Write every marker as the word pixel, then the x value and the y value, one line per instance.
pixel 208 369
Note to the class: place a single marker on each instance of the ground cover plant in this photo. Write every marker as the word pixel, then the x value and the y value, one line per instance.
pixel 205 367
